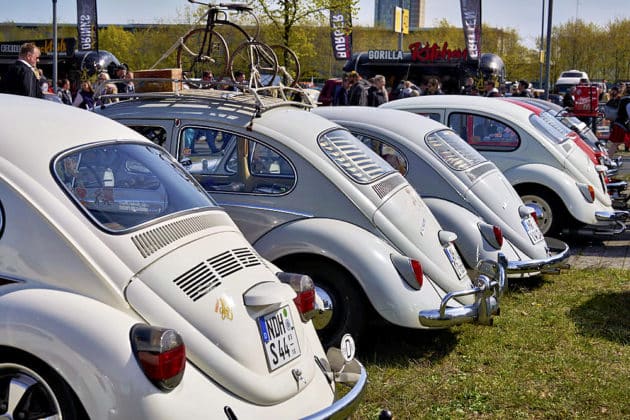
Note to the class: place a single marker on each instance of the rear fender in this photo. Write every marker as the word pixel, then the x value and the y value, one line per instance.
pixel 364 255
pixel 85 341
pixel 562 184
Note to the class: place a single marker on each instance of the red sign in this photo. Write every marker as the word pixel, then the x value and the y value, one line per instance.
pixel 435 53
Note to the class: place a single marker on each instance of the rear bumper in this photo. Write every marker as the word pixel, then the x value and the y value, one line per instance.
pixel 559 253
pixel 487 296
pixel 346 405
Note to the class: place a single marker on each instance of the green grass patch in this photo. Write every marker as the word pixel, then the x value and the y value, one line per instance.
pixel 560 349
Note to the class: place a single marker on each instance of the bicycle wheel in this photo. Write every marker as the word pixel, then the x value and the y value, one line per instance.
pixel 257 58
pixel 288 65
pixel 194 56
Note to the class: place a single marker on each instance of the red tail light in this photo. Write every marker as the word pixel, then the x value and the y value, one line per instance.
pixel 161 355
pixel 498 235
pixel 417 271
pixel 305 289
pixel 534 216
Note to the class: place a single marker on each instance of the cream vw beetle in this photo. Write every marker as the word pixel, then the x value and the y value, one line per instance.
pixel 548 170
pixel 313 199
pixel 126 293
pixel 466 193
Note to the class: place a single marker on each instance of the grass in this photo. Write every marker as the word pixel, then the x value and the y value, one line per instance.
pixel 560 349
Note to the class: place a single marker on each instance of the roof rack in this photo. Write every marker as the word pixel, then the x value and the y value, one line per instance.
pixel 262 98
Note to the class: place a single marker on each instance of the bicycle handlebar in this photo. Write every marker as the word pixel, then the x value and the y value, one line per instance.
pixel 239 7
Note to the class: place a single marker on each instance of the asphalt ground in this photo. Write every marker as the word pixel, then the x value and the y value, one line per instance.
pixel 611 252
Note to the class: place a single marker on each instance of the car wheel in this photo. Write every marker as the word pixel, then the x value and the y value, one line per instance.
pixel 549 209
pixel 29 390
pixel 341 293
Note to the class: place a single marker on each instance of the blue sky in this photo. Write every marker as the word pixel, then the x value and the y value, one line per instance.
pixel 524 16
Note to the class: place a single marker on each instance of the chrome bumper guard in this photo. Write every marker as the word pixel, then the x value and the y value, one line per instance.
pixel 617 186
pixel 611 216
pixel 490 287
pixel 559 252
pixel 350 373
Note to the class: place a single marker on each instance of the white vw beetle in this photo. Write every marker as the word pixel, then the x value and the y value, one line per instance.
pixel 313 199
pixel 126 293
pixel 548 170
pixel 466 193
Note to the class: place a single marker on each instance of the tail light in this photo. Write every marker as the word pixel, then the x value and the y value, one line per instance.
pixel 534 216
pixel 410 270
pixel 588 192
pixel 492 234
pixel 303 285
pixel 161 354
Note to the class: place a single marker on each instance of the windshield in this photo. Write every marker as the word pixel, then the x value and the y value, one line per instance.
pixel 453 150
pixel 123 185
pixel 550 127
pixel 353 157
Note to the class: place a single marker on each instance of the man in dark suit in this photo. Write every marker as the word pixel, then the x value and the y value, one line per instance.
pixel 22 78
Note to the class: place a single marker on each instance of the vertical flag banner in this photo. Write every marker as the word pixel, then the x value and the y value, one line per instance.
pixel 341 33
pixel 87 25
pixel 471 22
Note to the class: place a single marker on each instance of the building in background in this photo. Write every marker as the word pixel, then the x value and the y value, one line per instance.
pixel 384 12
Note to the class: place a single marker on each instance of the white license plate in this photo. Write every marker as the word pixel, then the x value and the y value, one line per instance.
pixel 279 337
pixel 532 229
pixel 456 260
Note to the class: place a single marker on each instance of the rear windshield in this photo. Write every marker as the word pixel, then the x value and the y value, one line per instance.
pixel 122 185
pixel 354 158
pixel 453 150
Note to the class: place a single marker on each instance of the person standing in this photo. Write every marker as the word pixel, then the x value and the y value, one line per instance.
pixel 523 89
pixel 85 96
pixel 377 93
pixel 358 93
pixel 64 91
pixel 490 90
pixel 22 77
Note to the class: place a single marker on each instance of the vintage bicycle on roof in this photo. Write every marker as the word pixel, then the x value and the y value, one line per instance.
pixel 206 49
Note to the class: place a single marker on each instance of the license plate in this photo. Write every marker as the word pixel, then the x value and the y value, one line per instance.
pixel 456 260
pixel 279 338
pixel 532 229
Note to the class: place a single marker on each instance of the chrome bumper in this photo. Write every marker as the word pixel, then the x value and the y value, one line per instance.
pixel 354 374
pixel 559 252
pixel 490 287
pixel 616 186
pixel 611 216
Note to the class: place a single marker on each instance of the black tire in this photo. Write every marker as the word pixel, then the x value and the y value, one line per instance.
pixel 44 393
pixel 288 65
pixel 214 59
pixel 349 306
pixel 550 211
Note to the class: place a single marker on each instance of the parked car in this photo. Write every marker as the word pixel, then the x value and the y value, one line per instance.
pixel 127 293
pixel 569 79
pixel 313 199
pixel 466 193
pixel 550 172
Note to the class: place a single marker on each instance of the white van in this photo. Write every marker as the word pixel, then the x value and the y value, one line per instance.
pixel 568 79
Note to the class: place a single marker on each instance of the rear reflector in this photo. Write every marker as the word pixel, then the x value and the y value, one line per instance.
pixel 160 353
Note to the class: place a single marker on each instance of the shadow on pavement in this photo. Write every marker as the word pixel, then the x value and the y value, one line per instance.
pixel 606 315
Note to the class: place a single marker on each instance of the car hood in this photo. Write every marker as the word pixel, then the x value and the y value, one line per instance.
pixel 409 225
pixel 212 291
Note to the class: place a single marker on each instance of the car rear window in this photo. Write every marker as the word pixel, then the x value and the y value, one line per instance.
pixel 122 185
pixel 354 158
pixel 453 150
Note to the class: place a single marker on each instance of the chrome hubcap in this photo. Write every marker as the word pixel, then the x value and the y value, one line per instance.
pixel 325 314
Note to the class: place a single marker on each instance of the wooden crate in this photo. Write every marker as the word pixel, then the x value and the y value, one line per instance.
pixel 157 86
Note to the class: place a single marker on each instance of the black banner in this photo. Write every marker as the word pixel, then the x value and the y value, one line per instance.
pixel 341 33
pixel 471 22
pixel 87 25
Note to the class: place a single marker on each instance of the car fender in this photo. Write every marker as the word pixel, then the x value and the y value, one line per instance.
pixel 470 242
pixel 364 255
pixel 562 184
pixel 85 341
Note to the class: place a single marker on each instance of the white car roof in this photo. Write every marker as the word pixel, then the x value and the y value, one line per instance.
pixel 474 103
pixel 33 131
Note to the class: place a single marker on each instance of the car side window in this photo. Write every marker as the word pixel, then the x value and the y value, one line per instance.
pixel 227 162
pixel 433 115
pixel 484 133
pixel 391 155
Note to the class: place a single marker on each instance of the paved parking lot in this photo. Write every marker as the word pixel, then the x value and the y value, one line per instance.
pixel 609 253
